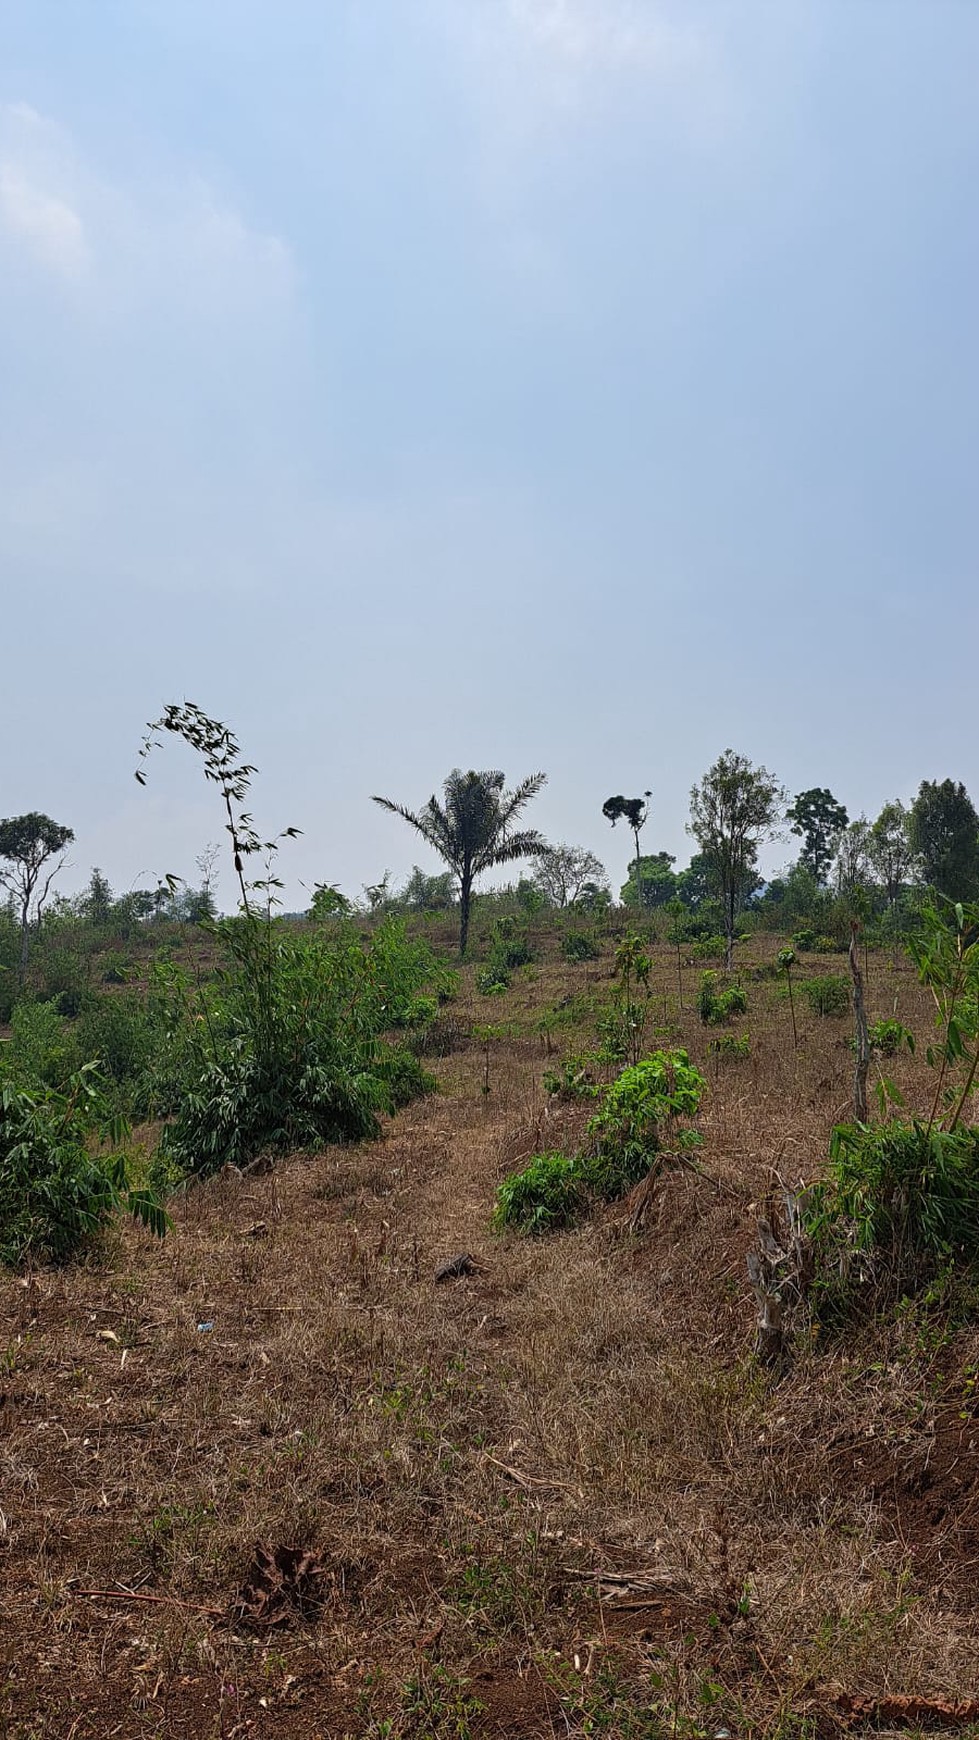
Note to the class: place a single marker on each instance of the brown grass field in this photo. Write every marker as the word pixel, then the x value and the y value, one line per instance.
pixel 554 1497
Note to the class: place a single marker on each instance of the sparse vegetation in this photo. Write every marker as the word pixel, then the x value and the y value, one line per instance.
pixel 396 1437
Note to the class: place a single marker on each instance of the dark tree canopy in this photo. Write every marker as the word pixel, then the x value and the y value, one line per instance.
pixel 635 812
pixel 472 828
pixel 819 821
pixel 623 809
pixel 943 830
pixel 651 881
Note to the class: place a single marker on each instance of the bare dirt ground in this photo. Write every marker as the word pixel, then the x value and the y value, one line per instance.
pixel 270 1479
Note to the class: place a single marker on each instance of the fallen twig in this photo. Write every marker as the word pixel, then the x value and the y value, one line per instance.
pixel 528 1480
pixel 158 1600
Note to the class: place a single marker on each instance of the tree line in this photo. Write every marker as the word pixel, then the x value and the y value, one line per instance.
pixel 473 827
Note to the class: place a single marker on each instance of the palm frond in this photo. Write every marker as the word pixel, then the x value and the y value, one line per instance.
pixel 517 799
pixel 529 844
pixel 430 821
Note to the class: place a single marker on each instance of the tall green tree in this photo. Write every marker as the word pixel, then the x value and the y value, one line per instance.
pixel 818 820
pixel 853 857
pixel 889 849
pixel 943 829
pixel 656 883
pixel 735 807
pixel 472 828
pixel 31 854
pixel 97 901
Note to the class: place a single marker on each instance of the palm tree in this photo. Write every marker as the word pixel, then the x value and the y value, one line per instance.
pixel 472 829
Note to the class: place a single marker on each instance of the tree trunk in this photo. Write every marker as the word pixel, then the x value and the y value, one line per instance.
pixel 25 934
pixel 862 1065
pixel 729 930
pixel 465 900
pixel 780 1269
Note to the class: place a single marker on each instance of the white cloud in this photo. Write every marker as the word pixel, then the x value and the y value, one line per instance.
pixel 128 242
pixel 608 35
pixel 47 225
pixel 38 204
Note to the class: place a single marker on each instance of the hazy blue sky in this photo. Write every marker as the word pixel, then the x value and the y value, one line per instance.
pixel 584 385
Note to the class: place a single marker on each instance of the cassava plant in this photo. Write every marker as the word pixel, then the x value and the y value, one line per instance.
pixel 624 1025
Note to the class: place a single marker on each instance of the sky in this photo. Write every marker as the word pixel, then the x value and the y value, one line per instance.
pixel 575 385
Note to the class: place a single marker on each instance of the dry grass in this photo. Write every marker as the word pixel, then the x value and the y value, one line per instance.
pixel 466 1458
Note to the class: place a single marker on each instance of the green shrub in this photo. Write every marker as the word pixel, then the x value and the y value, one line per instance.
pixel 579 945
pixel 827 995
pixel 573 1080
pixel 121 1034
pixel 709 948
pixel 510 948
pixel 646 1099
pixel 731 1045
pixel 63 975
pixel 809 942
pixel 42 1050
pixel 900 1203
pixel 403 1079
pixel 56 1191
pixel 643 1104
pixel 617 1031
pixel 117 969
pixel 492 981
pixel 285 1048
pixel 546 1195
pixel 889 1035
pixel 715 1007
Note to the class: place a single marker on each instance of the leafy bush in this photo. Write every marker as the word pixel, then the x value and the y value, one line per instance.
pixel 731 1045
pixel 492 981
pixel 41 1051
pixel 403 1079
pixel 887 1036
pixel 546 1195
pixel 809 942
pixel 827 995
pixel 617 1032
pixel 117 969
pixel 555 1190
pixel 647 1096
pixel 56 1193
pixel 709 948
pixel 510 948
pixel 900 1203
pixel 579 945
pixel 572 1081
pixel 63 975
pixel 285 1049
pixel 122 1034
pixel 715 1007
